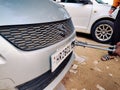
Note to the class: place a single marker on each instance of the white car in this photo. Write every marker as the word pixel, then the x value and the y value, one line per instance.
pixel 35 44
pixel 91 16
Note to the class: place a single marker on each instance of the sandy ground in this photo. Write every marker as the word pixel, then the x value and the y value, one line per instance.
pixel 88 72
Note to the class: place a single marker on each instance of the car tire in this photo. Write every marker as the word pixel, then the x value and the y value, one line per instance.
pixel 102 31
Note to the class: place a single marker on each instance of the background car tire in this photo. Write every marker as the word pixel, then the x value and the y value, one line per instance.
pixel 102 31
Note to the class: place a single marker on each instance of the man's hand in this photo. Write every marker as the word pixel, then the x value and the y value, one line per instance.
pixel 117 51
pixel 110 12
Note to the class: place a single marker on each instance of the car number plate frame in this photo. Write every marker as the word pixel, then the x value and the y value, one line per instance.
pixel 59 56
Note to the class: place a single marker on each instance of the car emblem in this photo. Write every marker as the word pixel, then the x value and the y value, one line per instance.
pixel 61 30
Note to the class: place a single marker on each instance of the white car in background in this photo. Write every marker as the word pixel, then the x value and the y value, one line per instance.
pixel 91 16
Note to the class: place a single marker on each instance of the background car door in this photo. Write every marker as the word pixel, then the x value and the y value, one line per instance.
pixel 79 11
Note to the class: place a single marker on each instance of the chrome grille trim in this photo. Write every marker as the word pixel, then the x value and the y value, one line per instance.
pixel 36 36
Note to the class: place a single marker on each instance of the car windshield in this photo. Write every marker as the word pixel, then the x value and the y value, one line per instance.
pixel 100 1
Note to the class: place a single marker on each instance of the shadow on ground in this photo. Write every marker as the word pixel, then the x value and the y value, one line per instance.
pixel 84 35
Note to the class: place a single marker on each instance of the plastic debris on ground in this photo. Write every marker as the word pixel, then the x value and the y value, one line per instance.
pixel 74 69
pixel 97 69
pixel 99 87
pixel 95 62
pixel 80 59
pixel 110 74
pixel 107 67
pixel 83 89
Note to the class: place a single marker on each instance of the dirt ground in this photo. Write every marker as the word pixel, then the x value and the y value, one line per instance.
pixel 88 72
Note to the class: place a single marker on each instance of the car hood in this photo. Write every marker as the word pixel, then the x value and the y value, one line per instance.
pixel 15 12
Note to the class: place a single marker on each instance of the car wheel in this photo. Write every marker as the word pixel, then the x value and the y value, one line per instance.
pixel 102 31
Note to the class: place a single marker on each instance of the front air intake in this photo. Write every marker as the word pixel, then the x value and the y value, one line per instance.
pixel 36 36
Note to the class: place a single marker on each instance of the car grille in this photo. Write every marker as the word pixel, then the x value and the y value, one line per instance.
pixel 36 36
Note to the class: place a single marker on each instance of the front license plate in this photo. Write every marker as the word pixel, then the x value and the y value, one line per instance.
pixel 59 56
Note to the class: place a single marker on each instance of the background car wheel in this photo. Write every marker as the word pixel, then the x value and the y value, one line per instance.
pixel 102 31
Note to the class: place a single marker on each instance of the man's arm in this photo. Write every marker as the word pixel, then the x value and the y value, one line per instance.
pixel 114 6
